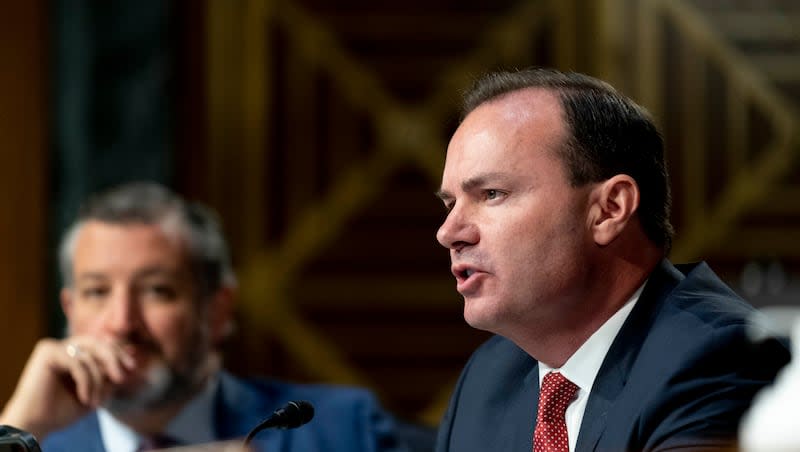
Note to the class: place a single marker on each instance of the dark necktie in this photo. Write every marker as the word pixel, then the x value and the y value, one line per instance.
pixel 556 394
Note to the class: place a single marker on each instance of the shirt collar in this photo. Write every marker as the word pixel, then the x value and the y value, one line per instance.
pixel 194 424
pixel 583 366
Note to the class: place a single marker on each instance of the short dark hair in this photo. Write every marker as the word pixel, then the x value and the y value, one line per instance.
pixel 149 203
pixel 609 134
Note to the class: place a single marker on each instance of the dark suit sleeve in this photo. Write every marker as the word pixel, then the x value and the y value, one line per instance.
pixel 701 404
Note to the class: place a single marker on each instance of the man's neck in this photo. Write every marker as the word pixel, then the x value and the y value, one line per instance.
pixel 553 341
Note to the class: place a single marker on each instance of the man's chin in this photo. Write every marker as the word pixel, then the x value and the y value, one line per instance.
pixel 151 391
pixel 478 320
pixel 484 314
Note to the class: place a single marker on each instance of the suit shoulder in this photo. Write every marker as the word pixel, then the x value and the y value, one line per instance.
pixel 342 414
pixel 329 401
pixel 700 324
pixel 703 296
pixel 320 393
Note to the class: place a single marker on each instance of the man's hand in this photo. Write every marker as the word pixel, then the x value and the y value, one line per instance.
pixel 63 380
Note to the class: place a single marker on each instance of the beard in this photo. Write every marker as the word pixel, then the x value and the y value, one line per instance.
pixel 162 384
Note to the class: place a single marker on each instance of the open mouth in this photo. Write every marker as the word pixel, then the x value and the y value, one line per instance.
pixel 463 273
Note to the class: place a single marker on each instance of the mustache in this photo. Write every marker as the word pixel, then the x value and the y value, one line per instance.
pixel 138 340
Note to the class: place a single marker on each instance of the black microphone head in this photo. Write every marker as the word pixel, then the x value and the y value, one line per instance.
pixel 294 414
pixel 304 412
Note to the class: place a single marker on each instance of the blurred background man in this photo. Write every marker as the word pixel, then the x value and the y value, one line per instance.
pixel 148 296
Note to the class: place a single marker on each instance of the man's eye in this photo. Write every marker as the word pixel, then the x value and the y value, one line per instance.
pixel 160 291
pixel 93 292
pixel 492 194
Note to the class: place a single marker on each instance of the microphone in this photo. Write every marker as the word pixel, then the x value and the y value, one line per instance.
pixel 16 440
pixel 292 415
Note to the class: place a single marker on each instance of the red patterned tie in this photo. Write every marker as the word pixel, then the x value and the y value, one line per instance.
pixel 556 394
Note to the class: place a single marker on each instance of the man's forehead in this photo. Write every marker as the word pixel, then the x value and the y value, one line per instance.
pixel 157 271
pixel 100 243
pixel 92 231
pixel 524 104
pixel 532 115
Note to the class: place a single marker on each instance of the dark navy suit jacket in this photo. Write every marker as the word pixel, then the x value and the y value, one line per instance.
pixel 345 419
pixel 680 373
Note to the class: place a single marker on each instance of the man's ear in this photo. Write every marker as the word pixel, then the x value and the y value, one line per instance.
pixel 220 314
pixel 614 202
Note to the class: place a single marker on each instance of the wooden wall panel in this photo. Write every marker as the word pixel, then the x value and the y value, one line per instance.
pixel 339 117
pixel 23 140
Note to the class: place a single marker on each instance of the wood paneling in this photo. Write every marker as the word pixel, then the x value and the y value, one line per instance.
pixel 23 140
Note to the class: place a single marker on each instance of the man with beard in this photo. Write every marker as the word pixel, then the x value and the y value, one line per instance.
pixel 148 295
pixel 558 230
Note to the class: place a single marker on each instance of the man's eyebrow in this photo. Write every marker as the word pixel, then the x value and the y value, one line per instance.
pixel 482 180
pixel 475 181
pixel 90 276
pixel 443 195
pixel 156 270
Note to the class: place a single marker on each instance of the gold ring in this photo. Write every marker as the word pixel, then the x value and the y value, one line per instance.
pixel 73 350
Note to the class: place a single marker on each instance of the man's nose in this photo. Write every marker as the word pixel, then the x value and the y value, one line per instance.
pixel 457 231
pixel 122 313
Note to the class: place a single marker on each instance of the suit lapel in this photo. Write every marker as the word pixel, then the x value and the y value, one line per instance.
pixel 621 356
pixel 522 433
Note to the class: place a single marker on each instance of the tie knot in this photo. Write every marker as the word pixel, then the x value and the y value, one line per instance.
pixel 550 434
pixel 556 394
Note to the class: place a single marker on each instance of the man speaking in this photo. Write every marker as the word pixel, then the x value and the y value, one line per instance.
pixel 558 227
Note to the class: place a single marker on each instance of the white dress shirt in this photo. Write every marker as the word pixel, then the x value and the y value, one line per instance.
pixel 194 424
pixel 582 367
